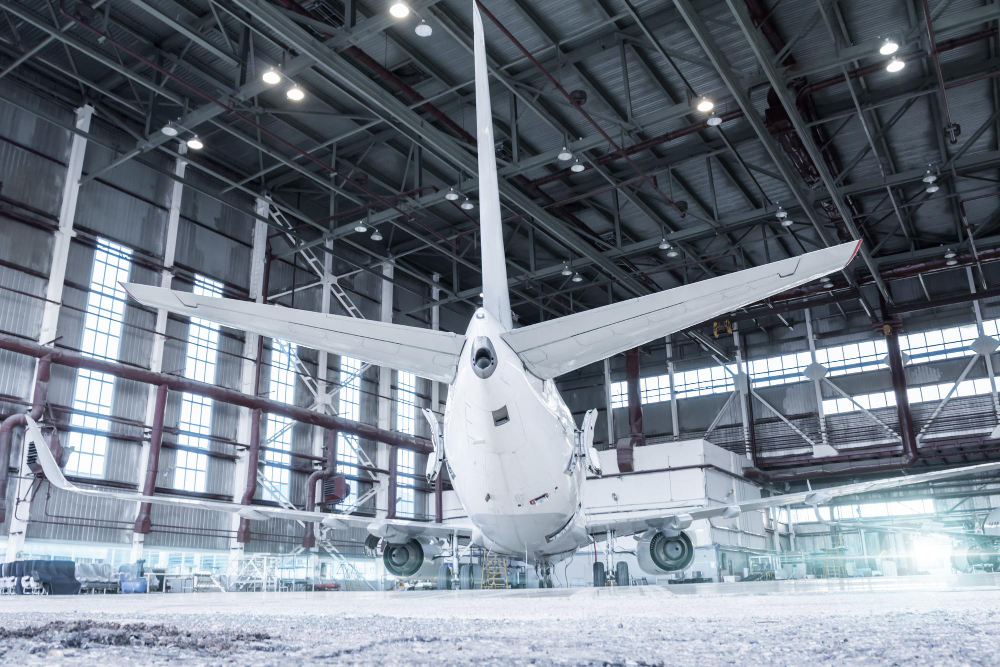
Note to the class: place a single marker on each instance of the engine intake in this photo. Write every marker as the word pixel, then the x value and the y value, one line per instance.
pixel 660 552
pixel 412 559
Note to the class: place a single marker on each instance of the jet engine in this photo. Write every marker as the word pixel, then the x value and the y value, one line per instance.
pixel 970 555
pixel 661 551
pixel 413 559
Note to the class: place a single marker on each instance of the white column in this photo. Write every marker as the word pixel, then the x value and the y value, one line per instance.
pixel 607 403
pixel 384 397
pixel 50 312
pixel 816 374
pixel 159 339
pixel 248 375
pixel 435 325
pixel 674 418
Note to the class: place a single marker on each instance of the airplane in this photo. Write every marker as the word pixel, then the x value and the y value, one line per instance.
pixel 516 459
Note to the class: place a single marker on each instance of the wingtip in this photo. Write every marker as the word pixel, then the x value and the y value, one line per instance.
pixel 857 249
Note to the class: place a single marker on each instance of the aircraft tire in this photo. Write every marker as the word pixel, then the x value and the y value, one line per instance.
pixel 621 574
pixel 600 576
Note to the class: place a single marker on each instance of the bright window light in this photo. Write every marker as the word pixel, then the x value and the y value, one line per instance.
pixel 102 332
pixel 349 407
pixel 281 388
pixel 406 411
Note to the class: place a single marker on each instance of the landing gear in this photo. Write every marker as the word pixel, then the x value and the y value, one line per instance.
pixel 621 574
pixel 444 577
pixel 544 571
pixel 470 576
pixel 600 576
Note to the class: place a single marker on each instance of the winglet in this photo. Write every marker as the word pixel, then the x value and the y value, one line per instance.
pixel 50 467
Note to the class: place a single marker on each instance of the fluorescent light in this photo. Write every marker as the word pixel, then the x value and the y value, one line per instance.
pixel 169 130
pixel 376 235
pixel 888 47
pixel 400 10
pixel 423 30
pixel 577 167
pixel 577 278
pixel 195 143
pixel 467 205
pixel 895 65
pixel 705 105
pixel 565 155
pixel 713 120
pixel 295 94
pixel 451 195
pixel 271 77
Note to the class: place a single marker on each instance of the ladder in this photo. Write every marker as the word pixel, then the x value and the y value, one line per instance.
pixel 495 572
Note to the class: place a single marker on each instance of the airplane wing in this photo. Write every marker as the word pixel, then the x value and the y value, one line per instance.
pixel 555 347
pixel 626 524
pixel 391 529
pixel 424 352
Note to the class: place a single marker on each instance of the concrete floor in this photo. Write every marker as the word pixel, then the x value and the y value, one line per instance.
pixel 911 620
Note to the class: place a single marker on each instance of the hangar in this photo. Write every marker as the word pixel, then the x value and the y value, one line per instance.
pixel 371 309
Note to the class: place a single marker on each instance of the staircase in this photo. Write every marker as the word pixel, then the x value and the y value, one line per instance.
pixel 495 572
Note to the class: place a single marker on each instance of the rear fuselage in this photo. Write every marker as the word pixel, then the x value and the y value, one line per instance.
pixel 509 437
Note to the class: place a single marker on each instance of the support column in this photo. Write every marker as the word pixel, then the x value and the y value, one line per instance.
pixel 742 381
pixel 637 437
pixel 63 237
pixel 384 459
pixel 607 403
pixel 674 418
pixel 250 372
pixel 143 521
pixel 323 400
pixel 987 352
pixel 436 326
pixel 816 372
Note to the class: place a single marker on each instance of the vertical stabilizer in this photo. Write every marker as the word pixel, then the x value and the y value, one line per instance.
pixel 496 300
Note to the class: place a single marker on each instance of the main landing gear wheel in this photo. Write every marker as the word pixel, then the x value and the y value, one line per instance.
pixel 444 577
pixel 470 576
pixel 621 574
pixel 600 577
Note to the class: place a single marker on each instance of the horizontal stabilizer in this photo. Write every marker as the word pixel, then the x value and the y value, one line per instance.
pixel 424 352
pixel 555 347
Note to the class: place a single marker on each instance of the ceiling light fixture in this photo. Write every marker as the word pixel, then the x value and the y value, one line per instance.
pixel 672 252
pixel 787 222
pixel 895 65
pixel 827 284
pixel 467 205
pixel 949 254
pixel 423 29
pixel 271 77
pixel 664 244
pixel 888 47
pixel 169 130
pixel 360 227
pixel 195 143
pixel 400 10
pixel 781 213
pixel 932 188
pixel 713 120
pixel 566 271
pixel 951 262
pixel 577 167
pixel 929 177
pixel 705 105
pixel 295 93
pixel 376 235
pixel 565 155
pixel 577 278
pixel 451 195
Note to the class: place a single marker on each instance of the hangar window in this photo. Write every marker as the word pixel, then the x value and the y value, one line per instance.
pixel 922 394
pixel 349 407
pixel 102 332
pixel 406 398
pixel 279 429
pixel 195 425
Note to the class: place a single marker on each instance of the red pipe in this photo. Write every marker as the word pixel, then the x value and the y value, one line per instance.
pixel 950 127
pixel 309 538
pixel 439 498
pixel 143 522
pixel 39 395
pixel 253 463
pixel 175 383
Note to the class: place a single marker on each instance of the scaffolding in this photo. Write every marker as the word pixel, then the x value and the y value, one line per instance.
pixel 495 572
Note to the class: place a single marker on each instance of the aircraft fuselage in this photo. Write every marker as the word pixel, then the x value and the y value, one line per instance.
pixel 509 437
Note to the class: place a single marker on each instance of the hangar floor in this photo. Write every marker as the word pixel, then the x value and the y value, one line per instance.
pixel 925 620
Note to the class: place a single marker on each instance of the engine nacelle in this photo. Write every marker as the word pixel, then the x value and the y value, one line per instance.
pixel 413 559
pixel 660 552
pixel 968 557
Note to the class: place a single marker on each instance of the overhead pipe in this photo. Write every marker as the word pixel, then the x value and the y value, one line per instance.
pixel 906 431
pixel 222 394
pixel 950 127
pixel 143 521
pixel 39 395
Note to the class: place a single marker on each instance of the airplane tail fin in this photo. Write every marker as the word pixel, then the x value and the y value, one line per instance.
pixel 496 299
